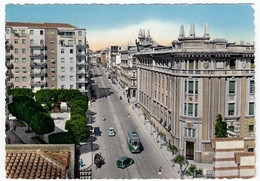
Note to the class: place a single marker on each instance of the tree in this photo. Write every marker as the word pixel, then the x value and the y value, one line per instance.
pixel 193 171
pixel 220 127
pixel 21 92
pixel 48 97
pixel 180 159
pixel 173 149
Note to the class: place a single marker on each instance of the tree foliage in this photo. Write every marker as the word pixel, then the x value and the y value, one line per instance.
pixel 173 149
pixel 21 92
pixel 220 127
pixel 193 171
pixel 61 138
pixel 180 159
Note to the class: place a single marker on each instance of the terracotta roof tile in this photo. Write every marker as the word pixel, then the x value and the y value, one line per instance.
pixel 40 25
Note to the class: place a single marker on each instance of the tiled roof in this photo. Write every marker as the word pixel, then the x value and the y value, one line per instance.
pixel 43 25
pixel 36 164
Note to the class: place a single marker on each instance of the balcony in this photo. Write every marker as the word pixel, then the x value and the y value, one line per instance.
pixel 39 83
pixel 81 63
pixel 81 46
pixel 9 65
pixel 63 45
pixel 19 35
pixel 40 46
pixel 81 54
pixel 40 55
pixel 39 74
pixel 9 83
pixel 38 64
pixel 81 72
pixel 9 55
pixel 81 81
pixel 8 46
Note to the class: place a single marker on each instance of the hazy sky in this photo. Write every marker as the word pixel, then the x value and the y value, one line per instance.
pixel 119 24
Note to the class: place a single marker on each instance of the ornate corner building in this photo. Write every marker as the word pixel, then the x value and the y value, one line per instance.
pixel 182 88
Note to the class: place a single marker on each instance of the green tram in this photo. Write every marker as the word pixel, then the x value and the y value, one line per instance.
pixel 133 142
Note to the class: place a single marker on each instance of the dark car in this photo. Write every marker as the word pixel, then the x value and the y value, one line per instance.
pixel 97 131
pixel 124 162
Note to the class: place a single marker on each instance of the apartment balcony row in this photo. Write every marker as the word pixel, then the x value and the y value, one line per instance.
pixel 81 63
pixel 81 54
pixel 9 83
pixel 35 83
pixel 38 46
pixel 81 72
pixel 82 46
pixel 81 81
pixel 38 64
pixel 64 45
pixel 40 55
pixel 19 35
pixel 8 46
pixel 9 65
pixel 9 55
pixel 38 73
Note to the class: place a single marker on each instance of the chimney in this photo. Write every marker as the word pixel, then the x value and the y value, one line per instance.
pixel 192 30
pixel 181 35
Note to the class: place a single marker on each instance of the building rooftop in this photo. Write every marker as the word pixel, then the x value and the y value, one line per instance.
pixel 43 25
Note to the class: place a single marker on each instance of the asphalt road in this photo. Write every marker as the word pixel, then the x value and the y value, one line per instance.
pixel 116 111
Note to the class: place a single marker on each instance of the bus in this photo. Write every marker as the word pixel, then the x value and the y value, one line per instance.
pixel 133 142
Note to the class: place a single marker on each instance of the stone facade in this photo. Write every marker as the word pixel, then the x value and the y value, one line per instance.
pixel 182 88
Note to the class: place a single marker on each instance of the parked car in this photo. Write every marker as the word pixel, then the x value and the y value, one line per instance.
pixel 124 162
pixel 111 131
pixel 97 131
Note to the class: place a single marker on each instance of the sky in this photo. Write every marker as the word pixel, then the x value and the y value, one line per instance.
pixel 119 24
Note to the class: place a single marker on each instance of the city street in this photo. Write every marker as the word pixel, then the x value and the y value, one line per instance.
pixel 123 119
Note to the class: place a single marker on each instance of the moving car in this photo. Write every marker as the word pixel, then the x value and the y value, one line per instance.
pixel 97 131
pixel 124 162
pixel 111 131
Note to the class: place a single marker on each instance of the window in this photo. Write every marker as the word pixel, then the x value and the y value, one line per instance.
pixel 80 33
pixel 24 60
pixel 52 60
pixel 23 32
pixel 185 109
pixel 52 86
pixel 250 149
pixel 71 51
pixel 24 79
pixel 7 31
pixel 41 51
pixel 52 51
pixel 252 87
pixel 80 42
pixel 231 128
pixel 62 86
pixel 52 32
pixel 52 77
pixel 24 70
pixel 23 41
pixel 185 87
pixel 196 110
pixel 52 69
pixel 196 87
pixel 71 60
pixel 62 69
pixel 41 41
pixel 16 79
pixel 232 87
pixel 62 78
pixel 16 50
pixel 231 109
pixel 190 87
pixel 16 69
pixel 41 32
pixel 16 60
pixel 71 78
pixel 31 41
pixel 70 42
pixel 191 63
pixel 15 41
pixel 190 109
pixel 251 129
pixel 62 60
pixel 23 50
pixel 251 108
pixel 62 50
pixel 31 32
pixel 71 69
pixel 52 42
pixel 15 31
pixel 24 87
pixel 71 86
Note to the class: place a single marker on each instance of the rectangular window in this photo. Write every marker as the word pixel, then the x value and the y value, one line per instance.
pixel 80 33
pixel 62 86
pixel 185 108
pixel 232 87
pixel 52 69
pixel 16 60
pixel 71 51
pixel 196 87
pixel 71 86
pixel 191 64
pixel 71 60
pixel 196 110
pixel 62 69
pixel 23 50
pixel 71 69
pixel 62 78
pixel 231 109
pixel 24 79
pixel 23 41
pixel 70 42
pixel 41 41
pixel 252 87
pixel 52 86
pixel 71 78
pixel 41 32
pixel 185 87
pixel 62 51
pixel 52 51
pixel 16 50
pixel 52 32
pixel 190 87
pixel 24 70
pixel 52 60
pixel 15 41
pixel 16 79
pixel 23 32
pixel 16 69
pixel 250 128
pixel 52 77
pixel 80 42
pixel 52 42
pixel 31 41
pixel 42 51
pixel 62 60
pixel 190 109
pixel 24 60
pixel 31 32
pixel 231 128
pixel 251 108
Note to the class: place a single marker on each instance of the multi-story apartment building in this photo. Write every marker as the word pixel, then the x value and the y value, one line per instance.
pixel 47 55
pixel 182 89
pixel 128 72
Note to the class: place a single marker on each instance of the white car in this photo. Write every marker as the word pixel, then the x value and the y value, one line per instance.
pixel 111 131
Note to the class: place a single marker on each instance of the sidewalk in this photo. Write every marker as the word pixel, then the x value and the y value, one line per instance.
pixel 161 144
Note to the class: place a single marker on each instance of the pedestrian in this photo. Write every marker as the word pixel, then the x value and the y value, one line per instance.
pixel 81 163
pixel 157 139
pixel 160 171
pixel 14 127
